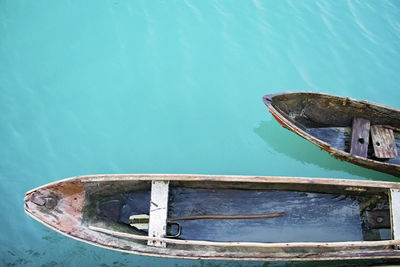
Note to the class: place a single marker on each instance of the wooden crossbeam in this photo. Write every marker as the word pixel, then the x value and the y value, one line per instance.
pixel 360 137
pixel 158 212
pixel 395 213
pixel 383 142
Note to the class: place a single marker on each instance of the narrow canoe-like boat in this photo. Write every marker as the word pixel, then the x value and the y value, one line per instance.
pixel 225 217
pixel 361 132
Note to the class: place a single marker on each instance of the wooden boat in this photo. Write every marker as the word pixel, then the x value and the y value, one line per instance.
pixel 225 217
pixel 361 132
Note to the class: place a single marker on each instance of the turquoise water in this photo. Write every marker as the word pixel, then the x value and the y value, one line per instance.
pixel 90 87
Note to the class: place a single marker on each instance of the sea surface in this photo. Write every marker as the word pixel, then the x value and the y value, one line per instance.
pixel 111 86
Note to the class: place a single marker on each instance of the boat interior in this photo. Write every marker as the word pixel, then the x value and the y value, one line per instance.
pixel 356 127
pixel 245 211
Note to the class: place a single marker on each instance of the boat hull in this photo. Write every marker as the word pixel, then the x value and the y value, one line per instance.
pixel 71 216
pixel 340 112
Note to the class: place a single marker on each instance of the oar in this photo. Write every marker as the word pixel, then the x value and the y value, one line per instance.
pixel 141 220
pixel 229 217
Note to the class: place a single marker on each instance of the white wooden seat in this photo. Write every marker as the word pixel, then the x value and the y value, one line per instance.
pixel 158 212
pixel 395 213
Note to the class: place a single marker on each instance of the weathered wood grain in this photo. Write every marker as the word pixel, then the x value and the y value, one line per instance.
pixel 337 137
pixel 360 137
pixel 383 142
pixel 110 178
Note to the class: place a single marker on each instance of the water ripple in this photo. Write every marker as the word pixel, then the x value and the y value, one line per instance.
pixel 367 33
pixel 195 10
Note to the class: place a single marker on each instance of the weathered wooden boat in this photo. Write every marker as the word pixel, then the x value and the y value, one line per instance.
pixel 225 217
pixel 361 132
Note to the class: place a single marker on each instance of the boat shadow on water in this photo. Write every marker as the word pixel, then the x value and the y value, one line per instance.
pixel 292 145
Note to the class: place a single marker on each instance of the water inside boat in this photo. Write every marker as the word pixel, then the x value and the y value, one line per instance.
pixel 340 138
pixel 306 212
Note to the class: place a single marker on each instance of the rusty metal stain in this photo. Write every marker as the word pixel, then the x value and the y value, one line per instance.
pixel 378 219
pixel 278 119
pixel 69 188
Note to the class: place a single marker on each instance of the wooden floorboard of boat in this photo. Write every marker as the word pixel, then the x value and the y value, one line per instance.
pixel 339 138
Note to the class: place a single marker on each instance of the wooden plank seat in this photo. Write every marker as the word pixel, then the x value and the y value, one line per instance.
pixel 395 213
pixel 158 213
pixel 360 137
pixel 383 142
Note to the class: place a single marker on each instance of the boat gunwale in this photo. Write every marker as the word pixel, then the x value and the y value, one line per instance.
pixel 220 178
pixel 352 244
pixel 267 99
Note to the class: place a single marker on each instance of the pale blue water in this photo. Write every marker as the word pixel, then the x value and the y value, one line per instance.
pixel 89 87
